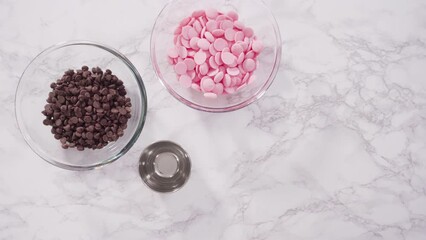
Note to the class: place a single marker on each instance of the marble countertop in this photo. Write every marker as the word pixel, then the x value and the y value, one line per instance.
pixel 335 149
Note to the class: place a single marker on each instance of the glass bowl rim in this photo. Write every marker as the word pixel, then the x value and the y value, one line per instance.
pixel 234 107
pixel 141 121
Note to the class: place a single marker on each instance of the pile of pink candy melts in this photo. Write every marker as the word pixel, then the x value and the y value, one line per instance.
pixel 214 53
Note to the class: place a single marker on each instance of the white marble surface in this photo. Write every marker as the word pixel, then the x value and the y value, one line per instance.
pixel 335 150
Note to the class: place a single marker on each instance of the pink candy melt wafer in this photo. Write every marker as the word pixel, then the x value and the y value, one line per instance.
pixel 200 57
pixel 218 33
pixel 198 13
pixel 185 81
pixel 173 53
pixel 212 13
pixel 211 25
pixel 233 15
pixel 228 58
pixel 207 84
pixel 190 64
pixel 220 44
pixel 180 68
pixel 214 53
pixel 209 36
pixel 249 65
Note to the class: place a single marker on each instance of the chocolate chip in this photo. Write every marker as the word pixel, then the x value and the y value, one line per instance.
pixel 122 111
pixel 96 104
pixel 87 109
pixel 87 119
pixel 61 99
pixel 74 120
pixel 58 122
pixel 47 122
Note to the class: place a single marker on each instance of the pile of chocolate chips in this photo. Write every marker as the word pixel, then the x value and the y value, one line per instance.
pixel 87 109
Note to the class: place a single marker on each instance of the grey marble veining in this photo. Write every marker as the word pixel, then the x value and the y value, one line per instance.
pixel 334 150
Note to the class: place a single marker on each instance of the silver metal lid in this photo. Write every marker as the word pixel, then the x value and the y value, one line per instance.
pixel 164 166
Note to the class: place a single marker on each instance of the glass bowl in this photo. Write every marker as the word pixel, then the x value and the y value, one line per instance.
pixel 252 13
pixel 33 89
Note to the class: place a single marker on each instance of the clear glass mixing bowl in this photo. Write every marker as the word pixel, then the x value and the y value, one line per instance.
pixel 253 13
pixel 34 87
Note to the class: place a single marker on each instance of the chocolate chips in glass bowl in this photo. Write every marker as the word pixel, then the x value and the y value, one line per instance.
pixel 87 109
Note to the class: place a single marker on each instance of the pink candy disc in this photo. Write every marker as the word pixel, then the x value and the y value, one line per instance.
pixel 185 43
pixel 233 71
pixel 193 43
pixel 185 81
pixel 220 44
pixel 191 53
pixel 173 53
pixel 178 31
pixel 203 31
pixel 240 58
pixel 207 84
pixel 212 72
pixel 185 31
pixel 250 54
pixel 212 50
pixel 241 68
pixel 183 53
pixel 246 77
pixel 239 36
pixel 228 58
pixel 192 33
pixel 212 13
pixel 218 89
pixel 191 74
pixel 244 45
pixel 197 26
pixel 190 64
pixel 239 25
pixel 209 37
pixel 213 63
pixel 249 65
pixel 200 57
pixel 218 77
pixel 211 25
pixel 185 21
pixel 210 95
pixel 220 18
pixel 233 15
pixel 218 33
pixel 191 22
pixel 227 80
pixel 218 59
pixel 226 24
pixel 214 53
pixel 204 68
pixel 199 13
pixel 257 46
pixel 180 68
pixel 203 44
pixel 236 49
pixel 248 32
pixel 230 34
pixel 202 21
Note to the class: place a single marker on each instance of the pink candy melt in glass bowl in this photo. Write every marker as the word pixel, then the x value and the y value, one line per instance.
pixel 251 13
